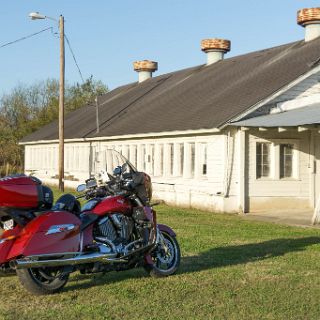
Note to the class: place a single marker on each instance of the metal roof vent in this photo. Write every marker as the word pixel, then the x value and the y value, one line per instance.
pixel 215 49
pixel 145 69
pixel 310 20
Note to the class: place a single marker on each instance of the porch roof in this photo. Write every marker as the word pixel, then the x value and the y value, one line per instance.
pixel 291 118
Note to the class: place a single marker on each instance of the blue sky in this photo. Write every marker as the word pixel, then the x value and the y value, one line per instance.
pixel 107 36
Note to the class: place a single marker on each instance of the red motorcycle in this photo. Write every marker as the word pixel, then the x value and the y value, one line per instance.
pixel 115 230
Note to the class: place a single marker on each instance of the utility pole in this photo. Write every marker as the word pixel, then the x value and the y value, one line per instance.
pixel 97 115
pixel 61 105
pixel 36 16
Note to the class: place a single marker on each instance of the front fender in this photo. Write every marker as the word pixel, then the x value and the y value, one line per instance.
pixel 162 228
pixel 167 229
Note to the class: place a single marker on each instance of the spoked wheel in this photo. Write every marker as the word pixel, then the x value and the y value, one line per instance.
pixel 166 257
pixel 41 281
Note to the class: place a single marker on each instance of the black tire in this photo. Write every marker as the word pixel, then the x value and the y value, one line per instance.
pixel 165 263
pixel 42 281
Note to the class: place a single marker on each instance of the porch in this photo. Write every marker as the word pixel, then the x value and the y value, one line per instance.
pixel 293 217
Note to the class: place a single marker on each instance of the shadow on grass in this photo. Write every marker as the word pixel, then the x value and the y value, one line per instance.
pixel 241 254
pixel 213 258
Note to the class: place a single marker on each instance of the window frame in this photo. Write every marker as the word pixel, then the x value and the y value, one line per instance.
pixel 271 164
pixel 275 159
pixel 295 159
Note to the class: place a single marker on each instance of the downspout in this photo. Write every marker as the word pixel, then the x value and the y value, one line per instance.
pixel 226 180
pixel 312 171
pixel 97 115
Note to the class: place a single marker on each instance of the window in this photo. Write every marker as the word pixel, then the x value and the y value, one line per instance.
pixel 171 158
pixel 278 159
pixel 193 158
pixel 203 159
pixel 133 155
pixel 135 158
pixel 181 158
pixel 144 157
pixel 286 160
pixel 263 159
pixel 125 151
pixel 150 160
pixel 158 163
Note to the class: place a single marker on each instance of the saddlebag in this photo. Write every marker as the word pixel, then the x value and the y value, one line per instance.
pixel 23 192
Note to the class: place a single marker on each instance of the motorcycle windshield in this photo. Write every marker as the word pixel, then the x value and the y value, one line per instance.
pixel 114 159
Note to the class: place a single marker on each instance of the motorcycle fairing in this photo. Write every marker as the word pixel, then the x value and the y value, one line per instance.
pixel 52 232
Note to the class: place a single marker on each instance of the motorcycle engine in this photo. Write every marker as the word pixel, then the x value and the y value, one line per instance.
pixel 116 228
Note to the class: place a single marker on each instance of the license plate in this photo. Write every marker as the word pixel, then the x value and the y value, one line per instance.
pixel 8 225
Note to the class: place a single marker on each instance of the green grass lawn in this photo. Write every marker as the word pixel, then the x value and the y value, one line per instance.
pixel 230 269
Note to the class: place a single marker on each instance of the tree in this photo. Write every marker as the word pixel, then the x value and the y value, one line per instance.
pixel 28 107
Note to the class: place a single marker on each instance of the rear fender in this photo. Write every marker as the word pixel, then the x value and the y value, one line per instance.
pixel 52 232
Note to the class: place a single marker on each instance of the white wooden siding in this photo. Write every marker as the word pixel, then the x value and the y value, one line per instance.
pixel 274 187
pixel 175 182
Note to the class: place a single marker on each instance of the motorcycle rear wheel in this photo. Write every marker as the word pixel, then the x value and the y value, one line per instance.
pixel 42 281
pixel 165 263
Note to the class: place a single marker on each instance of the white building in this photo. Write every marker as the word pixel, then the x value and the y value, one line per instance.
pixel 234 135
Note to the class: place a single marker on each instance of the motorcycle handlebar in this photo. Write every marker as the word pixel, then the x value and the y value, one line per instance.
pixel 114 187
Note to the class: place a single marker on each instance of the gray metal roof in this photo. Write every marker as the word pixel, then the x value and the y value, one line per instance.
pixel 296 117
pixel 202 97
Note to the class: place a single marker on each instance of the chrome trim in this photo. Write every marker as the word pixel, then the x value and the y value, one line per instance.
pixel 53 255
pixel 81 241
pixel 127 247
pixel 60 228
pixel 106 240
pixel 3 240
pixel 29 262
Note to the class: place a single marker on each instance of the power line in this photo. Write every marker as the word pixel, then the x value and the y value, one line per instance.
pixel 36 33
pixel 74 57
pixel 25 37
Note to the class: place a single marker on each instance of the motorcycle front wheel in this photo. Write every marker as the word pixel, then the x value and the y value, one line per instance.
pixel 41 281
pixel 166 259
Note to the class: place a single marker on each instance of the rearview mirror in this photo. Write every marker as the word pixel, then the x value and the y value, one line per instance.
pixel 81 188
pixel 91 183
pixel 117 171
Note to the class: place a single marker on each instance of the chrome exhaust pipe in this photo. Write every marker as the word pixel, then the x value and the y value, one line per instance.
pixel 107 254
pixel 34 262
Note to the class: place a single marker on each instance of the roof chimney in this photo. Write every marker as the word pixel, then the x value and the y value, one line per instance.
pixel 215 49
pixel 310 20
pixel 145 69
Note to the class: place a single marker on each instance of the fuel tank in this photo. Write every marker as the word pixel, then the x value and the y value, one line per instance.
pixel 113 204
pixel 52 232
